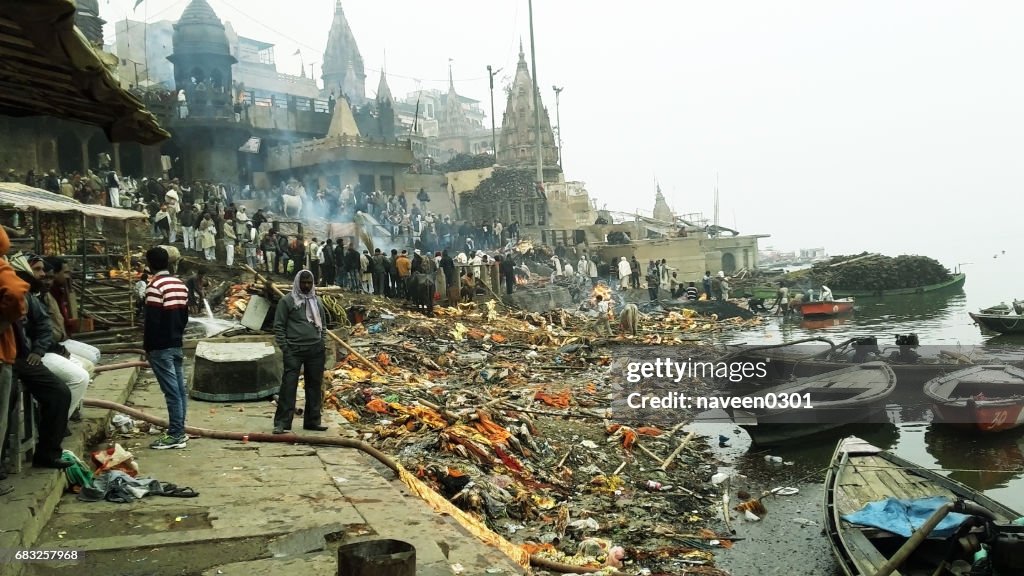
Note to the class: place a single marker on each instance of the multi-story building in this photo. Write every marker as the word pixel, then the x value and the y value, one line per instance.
pixel 256 76
pixel 142 49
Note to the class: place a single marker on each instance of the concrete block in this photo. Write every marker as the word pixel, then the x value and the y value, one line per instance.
pixel 231 371
pixel 541 299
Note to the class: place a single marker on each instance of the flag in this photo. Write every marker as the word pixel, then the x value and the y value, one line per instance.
pixel 297 52
pixel 137 2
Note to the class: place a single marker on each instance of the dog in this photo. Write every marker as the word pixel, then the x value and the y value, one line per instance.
pixel 629 318
pixel 756 305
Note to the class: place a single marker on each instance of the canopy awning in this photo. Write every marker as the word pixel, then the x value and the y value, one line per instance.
pixel 48 68
pixel 24 197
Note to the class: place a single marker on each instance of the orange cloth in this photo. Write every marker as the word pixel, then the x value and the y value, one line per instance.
pixel 12 302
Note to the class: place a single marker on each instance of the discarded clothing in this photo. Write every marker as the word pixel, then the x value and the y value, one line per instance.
pixel 904 517
pixel 116 486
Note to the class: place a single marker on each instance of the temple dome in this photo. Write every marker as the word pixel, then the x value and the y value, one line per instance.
pixel 199 31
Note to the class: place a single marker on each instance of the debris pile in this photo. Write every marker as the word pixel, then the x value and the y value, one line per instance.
pixel 509 416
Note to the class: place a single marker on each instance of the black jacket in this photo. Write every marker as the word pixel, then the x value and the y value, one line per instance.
pixel 33 332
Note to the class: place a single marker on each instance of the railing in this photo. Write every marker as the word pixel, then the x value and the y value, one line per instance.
pixel 343 141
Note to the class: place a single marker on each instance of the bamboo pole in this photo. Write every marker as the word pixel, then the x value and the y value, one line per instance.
pixel 371 365
pixel 672 456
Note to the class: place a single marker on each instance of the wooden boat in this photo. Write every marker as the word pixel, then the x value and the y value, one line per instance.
pixel 826 308
pixel 782 365
pixel 954 282
pixel 1003 323
pixel 985 398
pixel 861 473
pixel 781 413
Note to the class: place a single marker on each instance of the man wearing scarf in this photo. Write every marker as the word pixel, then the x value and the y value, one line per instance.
pixel 300 330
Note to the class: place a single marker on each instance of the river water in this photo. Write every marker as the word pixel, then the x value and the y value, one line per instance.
pixel 789 540
pixel 992 463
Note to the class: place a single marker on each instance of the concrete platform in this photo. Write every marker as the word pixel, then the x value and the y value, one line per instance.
pixel 263 508
pixel 37 492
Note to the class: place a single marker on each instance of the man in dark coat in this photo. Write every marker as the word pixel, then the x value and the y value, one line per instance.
pixel 327 273
pixel 508 272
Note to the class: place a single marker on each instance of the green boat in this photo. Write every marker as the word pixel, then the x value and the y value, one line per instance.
pixel 955 282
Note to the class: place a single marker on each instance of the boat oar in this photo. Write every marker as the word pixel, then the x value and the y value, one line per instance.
pixel 914 541
pixel 371 365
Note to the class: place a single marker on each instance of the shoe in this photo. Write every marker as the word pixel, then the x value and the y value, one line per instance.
pixel 317 428
pixel 55 463
pixel 279 430
pixel 166 442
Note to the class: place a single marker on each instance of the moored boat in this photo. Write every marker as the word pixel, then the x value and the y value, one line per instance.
pixel 954 282
pixel 984 398
pixel 826 308
pixel 812 405
pixel 886 515
pixel 999 321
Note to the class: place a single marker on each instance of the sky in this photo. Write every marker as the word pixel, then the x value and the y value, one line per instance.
pixel 894 127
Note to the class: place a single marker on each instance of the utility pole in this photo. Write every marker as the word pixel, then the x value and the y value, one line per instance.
pixel 558 118
pixel 536 102
pixel 494 132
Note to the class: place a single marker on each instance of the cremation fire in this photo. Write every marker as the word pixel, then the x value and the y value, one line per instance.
pixel 603 290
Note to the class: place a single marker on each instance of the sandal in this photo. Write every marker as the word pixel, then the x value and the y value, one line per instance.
pixel 173 491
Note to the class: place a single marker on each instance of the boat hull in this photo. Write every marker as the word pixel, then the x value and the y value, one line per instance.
pixel 1001 323
pixel 824 309
pixel 979 417
pixel 767 433
pixel 814 405
pixel 954 283
pixel 986 398
pixel 861 473
pixel 907 375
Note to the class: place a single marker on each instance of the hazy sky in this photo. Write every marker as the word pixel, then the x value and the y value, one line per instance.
pixel 882 126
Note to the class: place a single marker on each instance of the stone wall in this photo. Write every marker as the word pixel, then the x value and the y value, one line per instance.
pixel 541 299
pixel 690 256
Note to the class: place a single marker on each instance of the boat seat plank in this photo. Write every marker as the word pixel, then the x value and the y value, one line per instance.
pixel 863 552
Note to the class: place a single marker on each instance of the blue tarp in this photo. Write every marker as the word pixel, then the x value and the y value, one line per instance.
pixel 904 517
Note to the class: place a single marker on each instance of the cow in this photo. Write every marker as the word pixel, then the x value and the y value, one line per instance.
pixel 629 318
pixel 421 289
pixel 289 203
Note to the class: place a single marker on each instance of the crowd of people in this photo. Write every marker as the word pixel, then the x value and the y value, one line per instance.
pixel 36 350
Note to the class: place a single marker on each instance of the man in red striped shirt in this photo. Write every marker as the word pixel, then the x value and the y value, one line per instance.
pixel 166 313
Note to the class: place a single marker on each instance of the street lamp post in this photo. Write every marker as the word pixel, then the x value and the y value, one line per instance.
pixel 536 102
pixel 558 118
pixel 494 132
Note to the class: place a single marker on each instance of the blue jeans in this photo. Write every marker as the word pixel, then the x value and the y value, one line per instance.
pixel 166 365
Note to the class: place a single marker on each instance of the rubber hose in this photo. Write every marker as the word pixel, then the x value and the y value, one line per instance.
pixel 313 441
pixel 138 351
pixel 120 365
pixel 252 436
